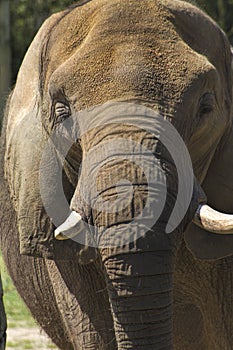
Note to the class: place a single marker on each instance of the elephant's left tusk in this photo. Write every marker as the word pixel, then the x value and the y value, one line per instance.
pixel 213 221
pixel 70 228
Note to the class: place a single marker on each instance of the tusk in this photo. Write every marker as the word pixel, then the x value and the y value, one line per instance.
pixel 213 221
pixel 70 228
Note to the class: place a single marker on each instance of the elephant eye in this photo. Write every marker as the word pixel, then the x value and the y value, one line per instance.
pixel 62 112
pixel 206 103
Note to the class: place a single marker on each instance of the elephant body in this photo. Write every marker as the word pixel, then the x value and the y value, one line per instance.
pixel 113 102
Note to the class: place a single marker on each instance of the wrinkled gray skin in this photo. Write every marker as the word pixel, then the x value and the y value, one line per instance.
pixel 164 54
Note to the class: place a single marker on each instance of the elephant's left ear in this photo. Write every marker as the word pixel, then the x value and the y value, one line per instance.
pixel 218 187
pixel 205 245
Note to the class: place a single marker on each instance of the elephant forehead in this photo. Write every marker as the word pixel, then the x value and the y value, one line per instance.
pixel 112 53
pixel 106 33
pixel 97 79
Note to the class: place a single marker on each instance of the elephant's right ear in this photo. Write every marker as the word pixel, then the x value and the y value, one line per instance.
pixel 25 141
pixel 23 105
pixel 27 89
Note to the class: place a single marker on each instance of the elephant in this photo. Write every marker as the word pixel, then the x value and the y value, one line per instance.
pixel 116 223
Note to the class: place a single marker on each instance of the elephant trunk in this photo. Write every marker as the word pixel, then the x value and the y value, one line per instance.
pixel 129 215
pixel 127 191
pixel 140 292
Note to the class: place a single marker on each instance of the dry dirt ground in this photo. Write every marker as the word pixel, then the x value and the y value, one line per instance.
pixel 28 338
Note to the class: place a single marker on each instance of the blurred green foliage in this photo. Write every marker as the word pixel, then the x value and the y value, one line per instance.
pixel 27 16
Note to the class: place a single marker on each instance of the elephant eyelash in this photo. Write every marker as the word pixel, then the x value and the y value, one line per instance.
pixel 61 112
pixel 206 103
pixel 206 109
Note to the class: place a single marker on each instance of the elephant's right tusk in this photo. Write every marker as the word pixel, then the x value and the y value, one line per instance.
pixel 213 221
pixel 70 228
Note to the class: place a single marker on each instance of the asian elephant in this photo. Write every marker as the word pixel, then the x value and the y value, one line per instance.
pixel 116 102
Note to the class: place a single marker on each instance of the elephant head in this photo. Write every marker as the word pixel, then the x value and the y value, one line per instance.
pixel 120 113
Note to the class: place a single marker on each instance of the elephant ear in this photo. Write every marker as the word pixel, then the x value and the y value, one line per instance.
pixel 218 183
pixel 207 246
pixel 25 140
pixel 218 187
